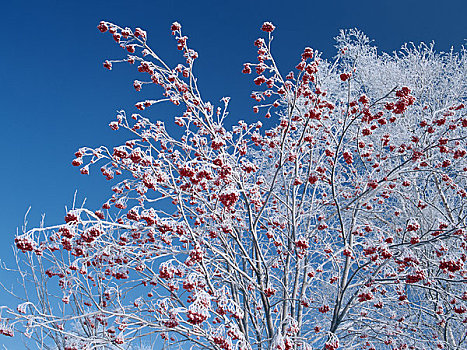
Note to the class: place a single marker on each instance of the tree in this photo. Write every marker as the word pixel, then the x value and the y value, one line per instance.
pixel 340 225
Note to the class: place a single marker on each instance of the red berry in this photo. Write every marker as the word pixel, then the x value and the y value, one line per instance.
pixel 268 27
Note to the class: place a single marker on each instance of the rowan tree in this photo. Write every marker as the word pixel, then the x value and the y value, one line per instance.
pixel 338 224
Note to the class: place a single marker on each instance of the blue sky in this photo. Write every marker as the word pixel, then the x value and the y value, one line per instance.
pixel 56 96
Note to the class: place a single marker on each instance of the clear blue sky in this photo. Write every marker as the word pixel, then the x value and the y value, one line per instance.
pixel 55 95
